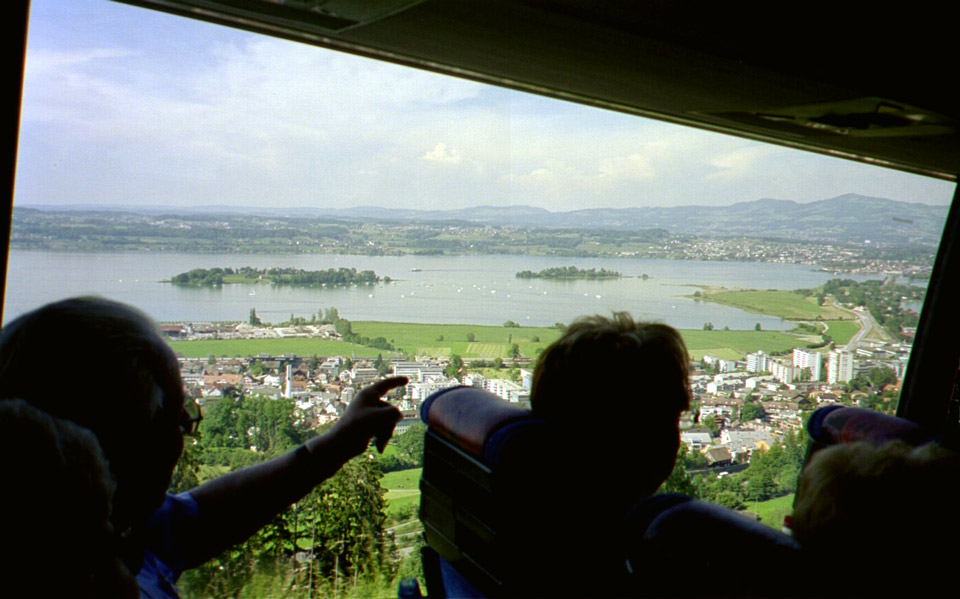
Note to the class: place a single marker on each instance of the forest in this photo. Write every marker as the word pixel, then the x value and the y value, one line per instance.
pixel 334 542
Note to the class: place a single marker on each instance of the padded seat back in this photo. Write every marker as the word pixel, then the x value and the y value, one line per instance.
pixel 501 505
pixel 472 502
pixel 682 547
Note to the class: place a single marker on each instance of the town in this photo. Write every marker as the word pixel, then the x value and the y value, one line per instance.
pixel 740 406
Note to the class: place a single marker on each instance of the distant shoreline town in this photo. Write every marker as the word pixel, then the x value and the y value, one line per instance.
pixel 850 234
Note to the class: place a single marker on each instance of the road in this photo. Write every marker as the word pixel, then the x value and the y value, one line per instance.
pixel 867 324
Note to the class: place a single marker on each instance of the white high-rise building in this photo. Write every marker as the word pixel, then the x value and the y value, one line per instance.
pixel 809 359
pixel 785 373
pixel 758 362
pixel 288 384
pixel 418 371
pixel 726 365
pixel 840 366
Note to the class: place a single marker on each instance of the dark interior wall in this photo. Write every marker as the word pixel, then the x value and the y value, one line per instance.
pixel 14 51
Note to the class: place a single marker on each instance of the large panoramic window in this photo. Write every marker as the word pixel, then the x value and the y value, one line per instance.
pixel 301 221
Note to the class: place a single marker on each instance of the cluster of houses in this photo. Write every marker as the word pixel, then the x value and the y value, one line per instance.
pixel 195 331
pixel 322 387
pixel 786 390
pixel 835 366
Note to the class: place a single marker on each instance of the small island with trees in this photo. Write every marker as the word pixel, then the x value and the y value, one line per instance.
pixel 332 277
pixel 569 272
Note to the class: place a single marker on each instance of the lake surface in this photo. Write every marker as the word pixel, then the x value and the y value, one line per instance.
pixel 435 289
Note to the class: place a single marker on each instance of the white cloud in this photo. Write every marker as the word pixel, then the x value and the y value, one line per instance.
pixel 45 62
pixel 634 167
pixel 741 163
pixel 441 154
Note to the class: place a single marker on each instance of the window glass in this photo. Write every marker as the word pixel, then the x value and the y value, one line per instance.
pixel 302 221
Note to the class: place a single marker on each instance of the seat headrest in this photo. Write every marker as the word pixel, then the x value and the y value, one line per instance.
pixel 832 425
pixel 468 416
pixel 695 519
pixel 680 547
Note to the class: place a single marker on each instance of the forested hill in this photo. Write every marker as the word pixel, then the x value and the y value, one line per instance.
pixel 850 218
pixel 847 218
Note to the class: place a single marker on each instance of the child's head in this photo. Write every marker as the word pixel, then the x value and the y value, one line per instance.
pixel 58 503
pixel 858 501
pixel 619 386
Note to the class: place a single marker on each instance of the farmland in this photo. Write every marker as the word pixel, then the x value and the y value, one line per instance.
pixel 445 340
pixel 788 305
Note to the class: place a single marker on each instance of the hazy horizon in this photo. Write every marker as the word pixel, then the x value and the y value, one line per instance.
pixel 240 207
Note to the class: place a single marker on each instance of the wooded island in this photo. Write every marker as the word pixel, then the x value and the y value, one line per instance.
pixel 332 277
pixel 569 272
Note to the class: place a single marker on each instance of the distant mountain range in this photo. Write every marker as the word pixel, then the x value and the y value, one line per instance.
pixel 844 219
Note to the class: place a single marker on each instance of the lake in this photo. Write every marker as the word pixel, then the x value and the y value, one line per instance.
pixel 435 289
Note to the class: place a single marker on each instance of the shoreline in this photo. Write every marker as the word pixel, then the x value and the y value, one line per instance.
pixel 816 267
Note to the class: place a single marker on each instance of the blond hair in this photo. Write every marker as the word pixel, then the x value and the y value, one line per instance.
pixel 858 491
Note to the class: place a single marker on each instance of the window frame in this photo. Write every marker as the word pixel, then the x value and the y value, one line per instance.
pixel 929 395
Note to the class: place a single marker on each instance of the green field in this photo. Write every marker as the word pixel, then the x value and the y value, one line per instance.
pixel 403 488
pixel 734 345
pixel 438 340
pixel 842 330
pixel 486 350
pixel 491 342
pixel 771 512
pixel 253 347
pixel 775 302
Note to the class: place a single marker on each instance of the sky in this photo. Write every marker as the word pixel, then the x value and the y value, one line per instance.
pixel 125 106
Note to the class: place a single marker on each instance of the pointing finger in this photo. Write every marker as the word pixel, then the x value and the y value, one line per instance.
pixel 380 388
